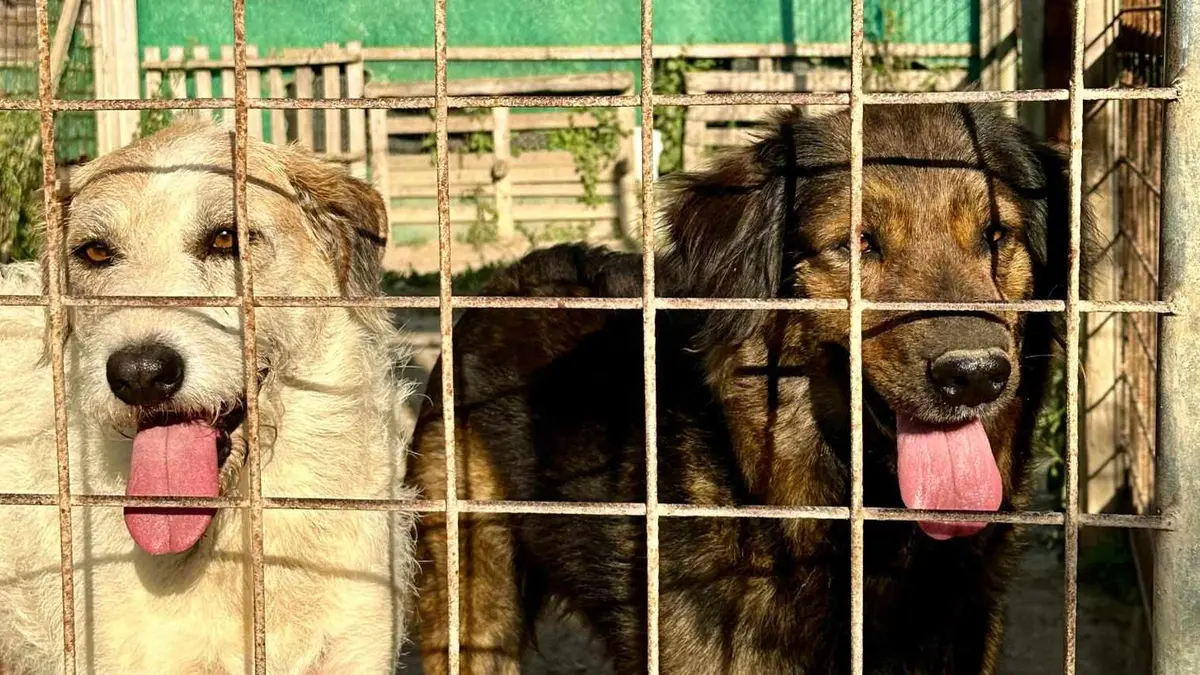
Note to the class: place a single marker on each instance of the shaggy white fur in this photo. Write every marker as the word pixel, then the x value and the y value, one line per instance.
pixel 332 424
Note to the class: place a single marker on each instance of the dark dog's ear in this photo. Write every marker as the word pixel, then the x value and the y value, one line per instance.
pixel 348 218
pixel 1049 237
pixel 726 228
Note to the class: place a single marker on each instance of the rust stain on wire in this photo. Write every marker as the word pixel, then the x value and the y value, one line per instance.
pixel 856 360
pixel 249 348
pixel 446 322
pixel 54 285
pixel 520 302
pixel 55 300
pixel 609 101
pixel 1075 194
pixel 665 510
pixel 649 337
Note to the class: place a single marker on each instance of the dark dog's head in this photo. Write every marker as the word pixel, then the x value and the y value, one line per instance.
pixel 960 204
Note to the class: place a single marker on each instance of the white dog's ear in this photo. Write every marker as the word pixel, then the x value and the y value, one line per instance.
pixel 348 220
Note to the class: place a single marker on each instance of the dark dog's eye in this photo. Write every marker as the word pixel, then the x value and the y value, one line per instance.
pixel 223 242
pixel 994 234
pixel 866 244
pixel 95 253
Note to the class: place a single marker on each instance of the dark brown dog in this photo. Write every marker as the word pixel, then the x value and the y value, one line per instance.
pixel 960 204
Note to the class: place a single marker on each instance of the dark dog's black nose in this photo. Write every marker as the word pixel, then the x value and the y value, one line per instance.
pixel 970 377
pixel 145 374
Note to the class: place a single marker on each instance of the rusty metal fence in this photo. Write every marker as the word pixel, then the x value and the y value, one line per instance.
pixel 1177 607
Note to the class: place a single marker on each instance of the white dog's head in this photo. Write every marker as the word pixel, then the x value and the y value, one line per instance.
pixel 158 218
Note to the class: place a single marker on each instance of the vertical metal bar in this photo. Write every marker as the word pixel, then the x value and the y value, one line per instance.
pixel 54 292
pixel 1075 197
pixel 856 375
pixel 446 321
pixel 649 338
pixel 1177 475
pixel 249 347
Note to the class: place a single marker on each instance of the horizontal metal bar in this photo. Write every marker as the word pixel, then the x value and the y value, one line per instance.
pixel 754 98
pixel 1105 520
pixel 604 101
pixel 797 512
pixel 517 302
pixel 931 97
pixel 795 304
pixel 1126 521
pixel 1016 518
pixel 918 306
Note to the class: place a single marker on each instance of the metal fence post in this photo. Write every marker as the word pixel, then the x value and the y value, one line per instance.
pixel 1177 558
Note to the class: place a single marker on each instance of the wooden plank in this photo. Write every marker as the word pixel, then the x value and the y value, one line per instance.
pixel 723 81
pixel 633 52
pixel 305 78
pixel 571 190
pixel 227 82
pixel 153 77
pixel 286 58
pixel 276 89
pixel 484 176
pixel 461 124
pixel 254 117
pixel 332 76
pixel 176 79
pixel 128 74
pixel 731 113
pixel 723 137
pixel 204 78
pixel 108 126
pixel 494 86
pixel 502 153
pixel 467 213
pixel 67 19
pixel 629 176
pixel 355 83
pixel 379 156
pixel 533 158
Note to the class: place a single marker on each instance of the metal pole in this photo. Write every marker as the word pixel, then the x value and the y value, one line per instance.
pixel 1177 554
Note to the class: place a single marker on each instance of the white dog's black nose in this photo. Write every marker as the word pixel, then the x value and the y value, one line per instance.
pixel 970 377
pixel 145 374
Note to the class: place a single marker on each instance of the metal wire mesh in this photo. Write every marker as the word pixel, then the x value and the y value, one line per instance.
pixel 56 300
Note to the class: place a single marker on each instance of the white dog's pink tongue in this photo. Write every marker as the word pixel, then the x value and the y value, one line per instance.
pixel 177 460
pixel 947 469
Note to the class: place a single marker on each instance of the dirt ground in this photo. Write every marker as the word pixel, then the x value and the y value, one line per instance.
pixel 1112 632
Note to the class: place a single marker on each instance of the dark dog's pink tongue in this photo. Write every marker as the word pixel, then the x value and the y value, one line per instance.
pixel 947 469
pixel 177 460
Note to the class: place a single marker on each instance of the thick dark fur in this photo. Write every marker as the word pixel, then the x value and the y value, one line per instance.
pixel 753 408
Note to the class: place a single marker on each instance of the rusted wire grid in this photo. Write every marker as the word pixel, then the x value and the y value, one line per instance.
pixel 517 302
pixel 604 101
pixel 54 279
pixel 665 510
pixel 857 513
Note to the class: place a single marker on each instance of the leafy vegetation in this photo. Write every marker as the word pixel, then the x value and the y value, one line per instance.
pixel 669 76
pixel 20 179
pixel 593 149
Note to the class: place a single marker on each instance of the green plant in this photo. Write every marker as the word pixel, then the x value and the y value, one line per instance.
pixel 20 179
pixel 475 142
pixel 593 149
pixel 553 233
pixel 485 228
pixel 153 121
pixel 1050 432
pixel 669 78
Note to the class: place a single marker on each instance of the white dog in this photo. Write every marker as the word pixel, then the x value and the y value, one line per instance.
pixel 156 407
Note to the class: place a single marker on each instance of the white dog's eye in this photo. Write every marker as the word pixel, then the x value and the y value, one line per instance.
pixel 223 241
pixel 95 253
